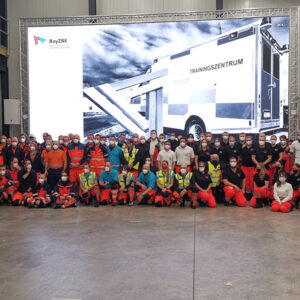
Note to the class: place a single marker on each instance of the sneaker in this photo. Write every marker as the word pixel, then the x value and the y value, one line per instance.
pixel 226 203
pixel 130 204
pixel 114 204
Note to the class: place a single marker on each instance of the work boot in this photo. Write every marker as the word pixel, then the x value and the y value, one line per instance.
pixel 182 204
pixel 266 201
pixel 226 203
pixel 259 203
pixel 130 203
pixel 114 204
pixel 96 203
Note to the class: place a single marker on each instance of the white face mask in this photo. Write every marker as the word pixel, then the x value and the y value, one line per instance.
pixel 208 138
pixel 3 141
pixel 66 144
pixel 231 143
pixel 29 167
pixel 217 144
pixel 201 169
pixel 282 179
pixel 124 173
pixel 97 141
pixel 112 143
pixel 261 143
pixel 183 171
pixel 32 148
pixel 201 138
pixel 143 141
pixel 225 137
pixel 145 171
pixel 242 138
pixel 102 142
pixel 15 165
pixel 249 143
pixel 135 139
pixel 90 141
pixel 60 142
pixel 273 142
pixel 147 162
pixel 167 147
pixel 55 147
pixel 153 135
pixel 107 169
pixel 233 164
pixel 75 141
pixel 182 144
pixel 22 140
pixel 161 140
pixel 2 173
pixel 86 170
pixel 204 145
pixel 64 178
pixel 172 138
pixel 190 140
pixel 41 181
pixel 14 144
pixel 283 142
pixel 48 147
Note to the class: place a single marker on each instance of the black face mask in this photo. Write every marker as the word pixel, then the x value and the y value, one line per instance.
pixel 258 170
pixel 214 162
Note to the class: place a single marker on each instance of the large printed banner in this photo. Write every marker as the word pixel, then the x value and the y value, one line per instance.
pixel 186 77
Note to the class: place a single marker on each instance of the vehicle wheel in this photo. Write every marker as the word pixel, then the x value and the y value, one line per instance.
pixel 195 126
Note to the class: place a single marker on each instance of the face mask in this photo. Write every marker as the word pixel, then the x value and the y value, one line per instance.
pixel 231 144
pixel 41 181
pixel 214 162
pixel 201 169
pixel 147 162
pixel 242 138
pixel 261 143
pixel 2 173
pixel 204 145
pixel 107 169
pixel 3 141
pixel 112 143
pixel 22 140
pixel 75 141
pixel 161 140
pixel 32 148
pixel 283 142
pixel 29 167
pixel 61 142
pixel 153 135
pixel 182 144
pixel 124 173
pixel 217 144
pixel 48 147
pixel 225 137
pixel 55 147
pixel 201 138
pixel 183 171
pixel 167 147
pixel 273 142
pixel 90 141
pixel 233 164
pixel 208 138
pixel 145 171
pixel 135 139
pixel 249 143
pixel 15 165
pixel 190 140
pixel 86 170
pixel 64 178
pixel 282 179
pixel 14 144
pixel 97 142
pixel 164 167
pixel 172 138
pixel 102 142
pixel 66 144
pixel 143 141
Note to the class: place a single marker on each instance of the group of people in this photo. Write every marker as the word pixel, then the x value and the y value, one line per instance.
pixel 158 171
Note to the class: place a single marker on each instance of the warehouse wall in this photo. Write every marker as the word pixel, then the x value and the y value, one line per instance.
pixel 237 4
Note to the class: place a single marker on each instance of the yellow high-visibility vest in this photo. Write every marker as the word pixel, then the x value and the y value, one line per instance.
pixel 215 175
pixel 131 158
pixel 162 178
pixel 184 182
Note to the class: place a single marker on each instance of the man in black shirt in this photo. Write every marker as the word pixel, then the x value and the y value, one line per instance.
pixel 262 154
pixel 234 180
pixel 294 180
pixel 231 150
pixel 174 143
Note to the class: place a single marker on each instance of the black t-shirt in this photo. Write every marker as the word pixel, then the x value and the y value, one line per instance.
pixel 235 178
pixel 219 151
pixel 294 180
pixel 261 154
pixel 258 181
pixel 203 180
pixel 275 151
pixel 246 154
pixel 231 152
pixel 202 155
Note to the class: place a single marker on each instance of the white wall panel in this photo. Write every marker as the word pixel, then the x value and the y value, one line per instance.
pixel 237 4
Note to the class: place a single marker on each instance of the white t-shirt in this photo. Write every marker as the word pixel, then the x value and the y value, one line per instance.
pixel 184 155
pixel 152 146
pixel 169 156
pixel 295 148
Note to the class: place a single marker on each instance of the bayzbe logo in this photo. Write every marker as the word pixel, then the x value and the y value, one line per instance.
pixel 39 40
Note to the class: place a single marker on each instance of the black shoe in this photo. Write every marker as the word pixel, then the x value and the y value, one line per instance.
pixel 96 203
pixel 226 203
pixel 114 204
pixel 182 204
pixel 202 204
pixel 266 201
pixel 193 206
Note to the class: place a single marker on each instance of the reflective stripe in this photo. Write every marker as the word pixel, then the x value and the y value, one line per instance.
pixel 97 167
pixel 96 159
pixel 184 182
pixel 215 175
pixel 162 178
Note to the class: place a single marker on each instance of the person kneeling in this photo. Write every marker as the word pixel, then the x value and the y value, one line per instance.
pixel 203 185
pixel 5 184
pixel 41 194
pixel 234 180
pixel 109 185
pixel 126 184
pixel 164 182
pixel 145 186
pixel 89 186
pixel 283 194
pixel 64 192
pixel 184 181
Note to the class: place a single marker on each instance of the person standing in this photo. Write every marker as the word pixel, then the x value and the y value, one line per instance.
pixel 184 156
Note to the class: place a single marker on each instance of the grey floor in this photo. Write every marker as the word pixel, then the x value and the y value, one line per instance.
pixel 149 253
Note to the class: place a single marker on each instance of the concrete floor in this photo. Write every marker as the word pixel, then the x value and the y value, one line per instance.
pixel 148 253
